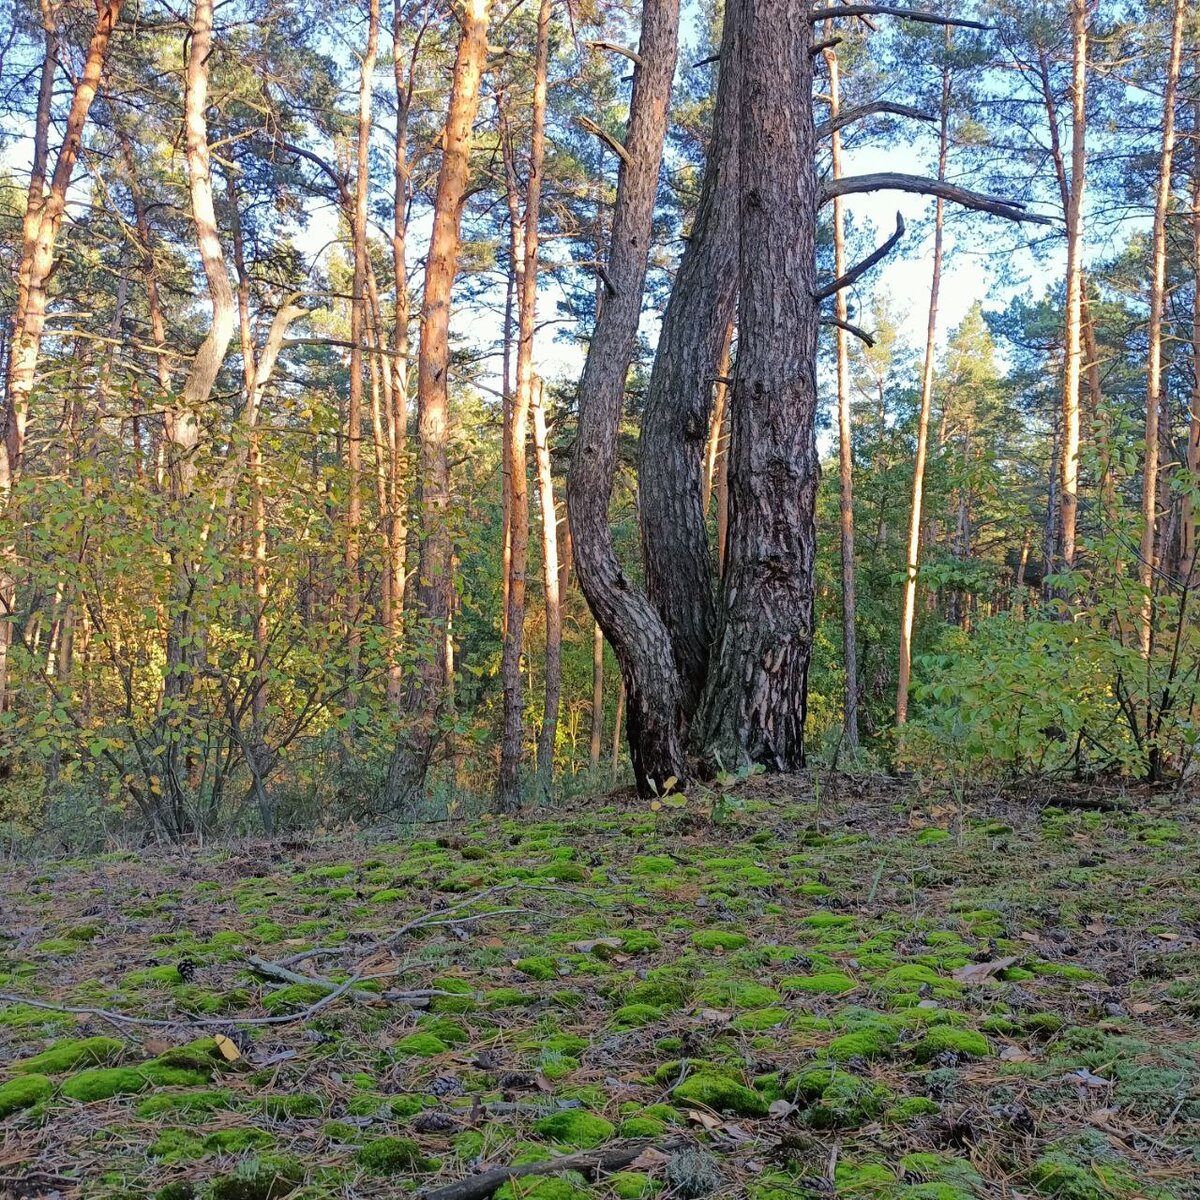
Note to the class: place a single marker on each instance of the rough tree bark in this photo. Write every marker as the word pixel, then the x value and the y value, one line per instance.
pixel 757 696
pixel 427 693
pixel 629 621
pixel 1154 374
pixel 845 436
pixel 679 399
pixel 508 796
pixel 909 604
pixel 1189 557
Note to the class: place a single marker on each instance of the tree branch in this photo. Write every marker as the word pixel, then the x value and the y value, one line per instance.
pixel 859 333
pixel 624 51
pixel 820 47
pixel 859 111
pixel 888 10
pixel 857 272
pixel 850 185
pixel 586 123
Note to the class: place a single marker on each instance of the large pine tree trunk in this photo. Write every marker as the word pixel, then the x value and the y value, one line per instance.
pixel 909 603
pixel 630 622
pixel 508 797
pixel 756 700
pixel 428 693
pixel 1148 559
pixel 679 399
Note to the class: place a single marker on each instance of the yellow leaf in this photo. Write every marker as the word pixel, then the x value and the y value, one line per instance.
pixel 228 1050
pixel 669 783
pixel 655 805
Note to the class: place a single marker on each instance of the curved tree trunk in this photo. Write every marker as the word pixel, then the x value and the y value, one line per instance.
pixel 428 693
pixel 629 621
pixel 757 695
pixel 679 400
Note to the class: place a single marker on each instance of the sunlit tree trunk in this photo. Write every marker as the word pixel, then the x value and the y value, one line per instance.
pixel 845 436
pixel 1190 551
pixel 912 561
pixel 597 696
pixel 427 695
pixel 1073 350
pixel 43 219
pixel 508 796
pixel 1154 372
pixel 358 237
pixel 548 737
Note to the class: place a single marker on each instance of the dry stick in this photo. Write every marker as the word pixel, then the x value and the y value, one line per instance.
pixel 479 1187
pixel 857 272
pixel 887 10
pixel 282 975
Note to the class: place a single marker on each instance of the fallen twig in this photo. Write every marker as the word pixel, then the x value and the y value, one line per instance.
pixel 609 1158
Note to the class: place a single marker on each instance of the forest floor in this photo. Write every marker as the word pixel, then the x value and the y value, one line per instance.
pixel 879 991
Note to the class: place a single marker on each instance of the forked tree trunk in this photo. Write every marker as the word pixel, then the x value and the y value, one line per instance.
pixel 757 695
pixel 629 621
pixel 1069 485
pixel 508 797
pixel 428 693
pixel 845 436
pixel 679 399
pixel 1154 374
pixel 548 737
pixel 912 561
pixel 43 218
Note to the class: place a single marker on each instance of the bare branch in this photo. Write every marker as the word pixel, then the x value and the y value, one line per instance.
pixel 820 47
pixel 624 51
pixel 888 10
pixel 859 111
pixel 857 272
pixel 703 62
pixel 586 123
pixel 883 181
pixel 859 333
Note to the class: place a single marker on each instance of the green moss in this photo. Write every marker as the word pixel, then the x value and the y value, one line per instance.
pixel 68 1053
pixel 826 983
pixel 295 995
pixel 718 939
pixel 292 1105
pixel 463 999
pixel 1058 1175
pixel 720 1094
pixel 827 920
pixel 638 1127
pixel 103 1083
pixel 630 1016
pixel 392 1156
pixel 910 1108
pixel 848 1102
pixel 739 993
pixel 570 1186
pixel 931 837
pixel 184 1102
pixel 637 941
pixel 575 1128
pixel 760 1018
pixel 266 1177
pixel 1066 971
pixel 154 977
pixel 564 872
pixel 57 947
pixel 508 997
pixel 183 1145
pixel 24 1093
pixel 420 1045
pixel 874 1041
pixel 164 1076
pixel 540 967
pixel 943 1039
pixel 633 1185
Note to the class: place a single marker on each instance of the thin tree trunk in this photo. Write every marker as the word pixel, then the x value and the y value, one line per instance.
pixel 1069 484
pixel 597 695
pixel 42 221
pixel 845 437
pixel 358 236
pixel 631 624
pixel 716 426
pixel 618 723
pixel 912 562
pixel 679 399
pixel 508 796
pixel 756 700
pixel 1154 373
pixel 1190 550
pixel 545 480
pixel 427 698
